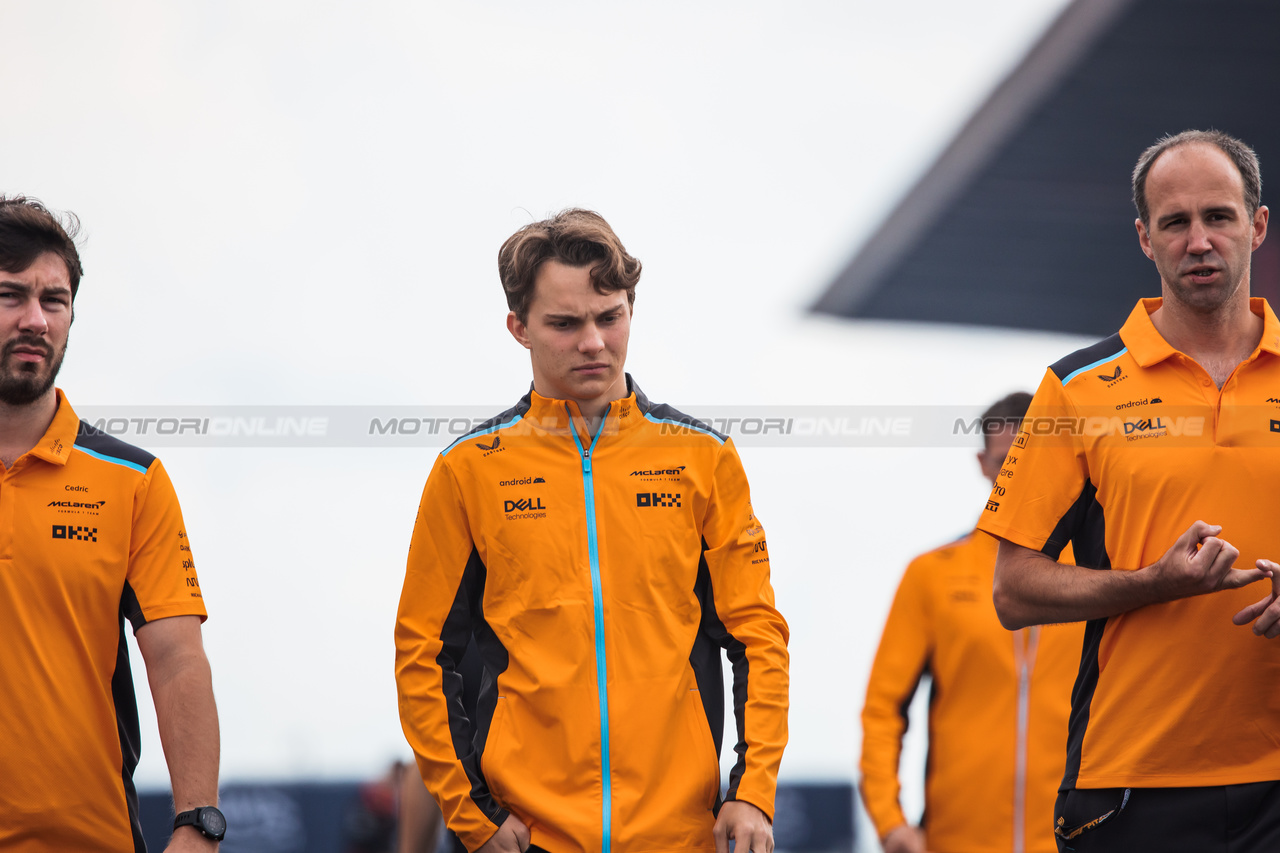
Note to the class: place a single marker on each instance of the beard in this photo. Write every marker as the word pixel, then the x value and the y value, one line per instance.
pixel 22 383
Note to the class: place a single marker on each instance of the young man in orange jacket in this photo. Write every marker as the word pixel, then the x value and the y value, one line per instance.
pixel 999 704
pixel 602 549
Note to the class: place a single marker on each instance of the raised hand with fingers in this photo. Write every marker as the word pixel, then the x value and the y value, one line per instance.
pixel 1198 563
pixel 1267 610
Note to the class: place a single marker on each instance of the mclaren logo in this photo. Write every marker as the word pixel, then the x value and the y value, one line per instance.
pixel 77 504
pixel 670 473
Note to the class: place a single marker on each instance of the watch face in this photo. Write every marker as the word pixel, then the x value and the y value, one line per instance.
pixel 212 823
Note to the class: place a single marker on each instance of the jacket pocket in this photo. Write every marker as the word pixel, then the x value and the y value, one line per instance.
pixel 708 761
pixel 495 751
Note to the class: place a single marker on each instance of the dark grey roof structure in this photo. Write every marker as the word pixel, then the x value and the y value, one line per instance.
pixel 1025 220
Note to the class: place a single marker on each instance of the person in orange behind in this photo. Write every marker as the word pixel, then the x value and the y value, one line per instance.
pixel 999 704
pixel 602 549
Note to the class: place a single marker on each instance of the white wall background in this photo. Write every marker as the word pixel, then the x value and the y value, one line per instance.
pixel 301 203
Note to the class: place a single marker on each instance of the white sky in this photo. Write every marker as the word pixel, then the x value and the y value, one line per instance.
pixel 301 203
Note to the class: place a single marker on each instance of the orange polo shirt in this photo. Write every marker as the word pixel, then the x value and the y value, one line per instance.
pixel 1127 443
pixel 90 535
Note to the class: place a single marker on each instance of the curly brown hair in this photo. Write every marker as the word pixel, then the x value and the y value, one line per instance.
pixel 28 230
pixel 574 237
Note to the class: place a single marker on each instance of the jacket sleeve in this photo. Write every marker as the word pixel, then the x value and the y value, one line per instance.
pixel 906 648
pixel 751 630
pixel 443 577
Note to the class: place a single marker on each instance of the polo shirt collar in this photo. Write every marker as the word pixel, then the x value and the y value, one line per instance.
pixel 1148 347
pixel 56 443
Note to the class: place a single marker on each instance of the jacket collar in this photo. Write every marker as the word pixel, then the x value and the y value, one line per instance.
pixel 551 414
pixel 1148 347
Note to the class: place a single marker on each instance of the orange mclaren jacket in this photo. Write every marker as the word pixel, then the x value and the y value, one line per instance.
pixel 601 576
pixel 997 712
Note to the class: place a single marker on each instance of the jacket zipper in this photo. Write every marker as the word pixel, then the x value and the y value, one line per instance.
pixel 597 597
pixel 1024 647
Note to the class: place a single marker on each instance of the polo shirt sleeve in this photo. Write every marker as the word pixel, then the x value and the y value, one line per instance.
pixel 1042 496
pixel 161 579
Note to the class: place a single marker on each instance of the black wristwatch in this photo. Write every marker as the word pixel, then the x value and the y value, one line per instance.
pixel 207 819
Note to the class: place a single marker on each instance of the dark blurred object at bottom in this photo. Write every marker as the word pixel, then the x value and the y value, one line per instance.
pixel 317 817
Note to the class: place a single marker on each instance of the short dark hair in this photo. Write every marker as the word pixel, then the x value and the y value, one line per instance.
pixel 1005 413
pixel 574 237
pixel 28 230
pixel 1245 160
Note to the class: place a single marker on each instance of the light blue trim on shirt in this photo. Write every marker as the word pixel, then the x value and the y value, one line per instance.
pixel 113 460
pixel 1073 374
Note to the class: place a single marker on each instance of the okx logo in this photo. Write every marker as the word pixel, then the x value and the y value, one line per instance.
pixel 72 531
pixel 657 499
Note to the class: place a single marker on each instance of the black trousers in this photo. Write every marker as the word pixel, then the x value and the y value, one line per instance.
pixel 1220 819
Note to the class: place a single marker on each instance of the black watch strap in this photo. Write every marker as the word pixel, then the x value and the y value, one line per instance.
pixel 207 819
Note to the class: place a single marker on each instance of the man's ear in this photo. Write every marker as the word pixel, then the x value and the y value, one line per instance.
pixel 518 329
pixel 1144 239
pixel 1260 217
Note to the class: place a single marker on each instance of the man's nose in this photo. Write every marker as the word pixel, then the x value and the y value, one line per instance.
pixel 33 318
pixel 1198 239
pixel 592 340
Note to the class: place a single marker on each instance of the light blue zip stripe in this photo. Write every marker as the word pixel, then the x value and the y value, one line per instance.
pixel 1073 374
pixel 597 595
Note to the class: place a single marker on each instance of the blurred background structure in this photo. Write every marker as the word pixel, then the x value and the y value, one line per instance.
pixel 294 204
pixel 1020 221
